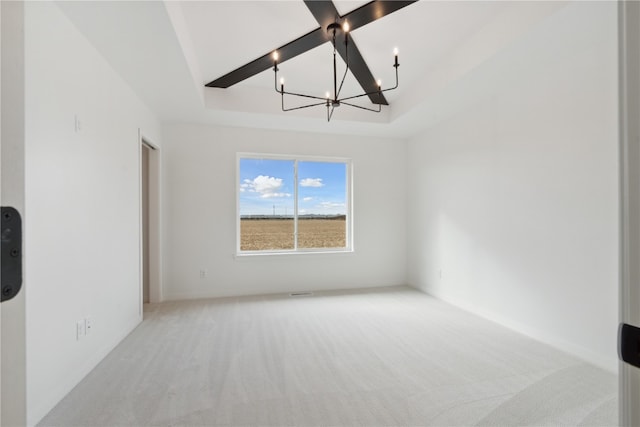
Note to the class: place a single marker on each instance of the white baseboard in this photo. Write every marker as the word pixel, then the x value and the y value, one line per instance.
pixel 232 293
pixel 608 364
pixel 37 413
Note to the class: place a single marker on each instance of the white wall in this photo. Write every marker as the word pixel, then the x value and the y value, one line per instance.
pixel 12 331
pixel 200 215
pixel 513 199
pixel 82 205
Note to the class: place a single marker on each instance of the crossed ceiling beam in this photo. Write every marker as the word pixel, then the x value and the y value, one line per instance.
pixel 325 13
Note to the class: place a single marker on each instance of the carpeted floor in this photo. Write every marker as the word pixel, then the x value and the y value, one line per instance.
pixel 385 357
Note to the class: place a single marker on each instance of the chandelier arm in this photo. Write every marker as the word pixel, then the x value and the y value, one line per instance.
pixel 346 60
pixel 396 86
pixel 359 96
pixel 335 87
pixel 275 76
pixel 301 107
pixel 330 115
pixel 372 92
pixel 342 82
pixel 283 92
pixel 363 108
pixel 302 95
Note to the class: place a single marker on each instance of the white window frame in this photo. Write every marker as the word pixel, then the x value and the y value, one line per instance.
pixel 299 158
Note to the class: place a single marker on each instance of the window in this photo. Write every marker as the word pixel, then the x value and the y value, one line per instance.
pixel 293 204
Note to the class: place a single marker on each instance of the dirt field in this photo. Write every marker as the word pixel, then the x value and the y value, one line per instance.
pixel 273 234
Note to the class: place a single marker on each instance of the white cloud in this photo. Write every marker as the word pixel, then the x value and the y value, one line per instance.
pixel 311 182
pixel 331 205
pixel 307 199
pixel 274 195
pixel 266 186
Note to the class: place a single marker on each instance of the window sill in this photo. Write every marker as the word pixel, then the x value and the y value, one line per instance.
pixel 262 254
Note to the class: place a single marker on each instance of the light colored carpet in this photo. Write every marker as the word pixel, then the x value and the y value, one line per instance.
pixel 391 357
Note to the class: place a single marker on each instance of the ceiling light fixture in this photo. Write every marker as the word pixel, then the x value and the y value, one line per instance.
pixel 332 102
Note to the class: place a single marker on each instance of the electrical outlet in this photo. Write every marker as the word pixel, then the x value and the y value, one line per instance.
pixel 88 325
pixel 203 273
pixel 80 330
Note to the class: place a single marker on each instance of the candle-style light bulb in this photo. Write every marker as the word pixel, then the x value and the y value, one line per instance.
pixel 395 54
pixel 379 84
pixel 395 51
pixel 327 95
pixel 282 80
pixel 281 84
pixel 345 27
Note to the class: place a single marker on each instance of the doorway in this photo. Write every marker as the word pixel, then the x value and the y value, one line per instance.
pixel 629 62
pixel 145 222
pixel 150 277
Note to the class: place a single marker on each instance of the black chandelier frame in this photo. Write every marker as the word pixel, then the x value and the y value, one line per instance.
pixel 332 102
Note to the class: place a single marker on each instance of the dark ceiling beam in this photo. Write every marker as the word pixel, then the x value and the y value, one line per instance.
pixel 285 52
pixel 325 12
pixel 373 11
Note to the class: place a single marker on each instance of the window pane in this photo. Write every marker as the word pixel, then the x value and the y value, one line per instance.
pixel 266 204
pixel 266 234
pixel 322 205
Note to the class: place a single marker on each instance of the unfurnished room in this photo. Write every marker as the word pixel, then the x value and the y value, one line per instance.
pixel 313 213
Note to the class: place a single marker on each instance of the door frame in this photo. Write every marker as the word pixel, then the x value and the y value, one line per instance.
pixel 629 135
pixel 13 349
pixel 155 241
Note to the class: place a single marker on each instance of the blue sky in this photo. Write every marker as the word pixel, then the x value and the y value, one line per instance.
pixel 267 183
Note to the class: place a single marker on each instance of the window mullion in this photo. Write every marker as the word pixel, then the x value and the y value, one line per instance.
pixel 295 205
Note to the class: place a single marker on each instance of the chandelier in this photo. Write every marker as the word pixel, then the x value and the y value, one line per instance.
pixel 331 102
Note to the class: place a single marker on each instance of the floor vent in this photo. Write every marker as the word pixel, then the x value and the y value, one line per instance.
pixel 301 294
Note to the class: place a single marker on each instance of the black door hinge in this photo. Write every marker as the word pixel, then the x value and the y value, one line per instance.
pixel 11 233
pixel 629 344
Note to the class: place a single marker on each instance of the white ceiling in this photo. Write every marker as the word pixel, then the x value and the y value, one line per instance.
pixel 167 51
